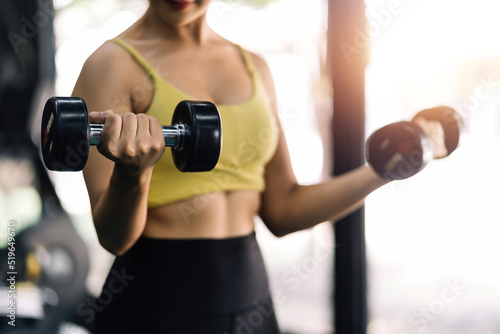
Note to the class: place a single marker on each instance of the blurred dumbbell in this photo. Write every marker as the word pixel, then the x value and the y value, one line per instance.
pixel 195 136
pixel 402 149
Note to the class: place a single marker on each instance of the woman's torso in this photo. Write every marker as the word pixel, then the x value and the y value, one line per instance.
pixel 213 71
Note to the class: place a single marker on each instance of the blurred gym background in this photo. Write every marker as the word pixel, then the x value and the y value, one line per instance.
pixel 432 260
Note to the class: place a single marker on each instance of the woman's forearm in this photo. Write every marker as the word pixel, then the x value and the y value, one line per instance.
pixel 306 206
pixel 121 211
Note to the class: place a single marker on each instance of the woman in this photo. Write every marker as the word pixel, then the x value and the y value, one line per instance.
pixel 185 241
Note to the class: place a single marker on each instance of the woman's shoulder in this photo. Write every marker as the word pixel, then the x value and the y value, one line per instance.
pixel 263 69
pixel 108 75
pixel 105 68
pixel 108 56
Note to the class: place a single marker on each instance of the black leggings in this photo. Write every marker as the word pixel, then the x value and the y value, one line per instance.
pixel 209 286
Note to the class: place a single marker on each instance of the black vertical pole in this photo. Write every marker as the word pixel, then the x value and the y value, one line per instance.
pixel 347 49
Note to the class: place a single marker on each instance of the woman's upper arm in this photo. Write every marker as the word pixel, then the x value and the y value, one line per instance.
pixel 279 175
pixel 102 86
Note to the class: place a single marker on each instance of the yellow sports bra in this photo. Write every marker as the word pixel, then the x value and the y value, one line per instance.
pixel 250 137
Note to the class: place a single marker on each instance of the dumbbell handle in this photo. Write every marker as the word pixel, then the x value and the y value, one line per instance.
pixel 173 135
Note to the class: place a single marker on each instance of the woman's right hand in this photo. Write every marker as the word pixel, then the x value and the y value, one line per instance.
pixel 133 141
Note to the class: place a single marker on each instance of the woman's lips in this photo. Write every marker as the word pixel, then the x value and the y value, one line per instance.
pixel 179 5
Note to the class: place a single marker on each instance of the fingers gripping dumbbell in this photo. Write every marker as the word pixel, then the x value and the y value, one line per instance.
pixel 195 136
pixel 400 150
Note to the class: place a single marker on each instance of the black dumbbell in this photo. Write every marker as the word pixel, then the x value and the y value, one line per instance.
pixel 195 136
pixel 400 150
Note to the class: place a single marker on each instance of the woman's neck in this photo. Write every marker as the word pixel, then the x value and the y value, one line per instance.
pixel 152 25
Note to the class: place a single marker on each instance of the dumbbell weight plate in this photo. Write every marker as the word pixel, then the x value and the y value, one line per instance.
pixel 451 122
pixel 65 136
pixel 201 147
pixel 398 150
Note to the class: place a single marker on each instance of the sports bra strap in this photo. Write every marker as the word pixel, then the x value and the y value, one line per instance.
pixel 248 59
pixel 137 56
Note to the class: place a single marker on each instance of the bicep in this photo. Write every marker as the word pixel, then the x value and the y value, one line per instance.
pixel 101 87
pixel 280 181
pixel 97 173
pixel 279 175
